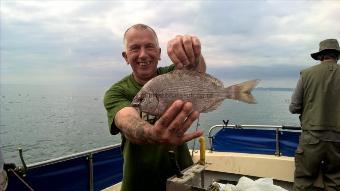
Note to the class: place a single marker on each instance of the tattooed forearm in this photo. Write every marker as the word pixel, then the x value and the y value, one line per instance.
pixel 136 130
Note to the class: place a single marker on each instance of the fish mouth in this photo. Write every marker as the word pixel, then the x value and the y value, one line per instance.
pixel 135 104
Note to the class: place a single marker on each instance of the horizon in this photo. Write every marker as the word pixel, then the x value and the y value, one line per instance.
pixel 103 86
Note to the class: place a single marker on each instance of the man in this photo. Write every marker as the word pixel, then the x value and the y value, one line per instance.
pixel 146 143
pixel 317 100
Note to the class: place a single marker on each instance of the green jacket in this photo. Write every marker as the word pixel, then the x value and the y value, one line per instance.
pixel 321 97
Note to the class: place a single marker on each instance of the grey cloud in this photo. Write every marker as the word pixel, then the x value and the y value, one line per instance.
pixel 96 8
pixel 246 17
pixel 25 38
pixel 223 18
pixel 272 38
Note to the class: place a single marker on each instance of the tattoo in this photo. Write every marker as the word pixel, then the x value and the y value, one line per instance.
pixel 135 130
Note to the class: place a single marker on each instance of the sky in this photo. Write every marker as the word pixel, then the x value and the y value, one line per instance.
pixel 80 42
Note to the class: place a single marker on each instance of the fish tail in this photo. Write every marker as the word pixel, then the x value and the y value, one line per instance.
pixel 242 91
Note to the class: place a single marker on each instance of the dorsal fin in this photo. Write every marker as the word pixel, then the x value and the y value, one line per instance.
pixel 203 76
pixel 213 107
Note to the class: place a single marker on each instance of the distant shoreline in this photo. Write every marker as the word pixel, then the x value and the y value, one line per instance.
pixel 2 85
pixel 273 89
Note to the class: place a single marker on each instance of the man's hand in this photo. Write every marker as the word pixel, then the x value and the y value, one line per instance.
pixel 172 125
pixel 185 52
pixel 169 129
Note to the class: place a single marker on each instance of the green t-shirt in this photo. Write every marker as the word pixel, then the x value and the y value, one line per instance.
pixel 146 167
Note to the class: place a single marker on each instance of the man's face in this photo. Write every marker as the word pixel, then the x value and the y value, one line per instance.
pixel 142 53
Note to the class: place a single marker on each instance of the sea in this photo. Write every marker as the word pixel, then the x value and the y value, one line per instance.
pixel 47 122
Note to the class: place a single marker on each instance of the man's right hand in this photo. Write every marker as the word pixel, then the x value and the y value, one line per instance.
pixel 170 128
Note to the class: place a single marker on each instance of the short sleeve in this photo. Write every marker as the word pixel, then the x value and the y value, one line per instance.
pixel 163 70
pixel 114 100
pixel 121 94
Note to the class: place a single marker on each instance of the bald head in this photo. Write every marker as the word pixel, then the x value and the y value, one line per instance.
pixel 140 27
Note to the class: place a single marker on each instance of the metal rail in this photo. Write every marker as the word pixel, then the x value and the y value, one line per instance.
pixel 277 128
pixel 211 129
pixel 88 154
pixel 72 156
pixel 91 178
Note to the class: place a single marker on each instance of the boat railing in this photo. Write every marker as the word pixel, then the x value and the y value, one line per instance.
pixel 88 153
pixel 277 128
pixel 83 166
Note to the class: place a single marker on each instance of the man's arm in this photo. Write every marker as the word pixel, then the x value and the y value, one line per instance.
pixel 132 126
pixel 170 128
pixel 296 104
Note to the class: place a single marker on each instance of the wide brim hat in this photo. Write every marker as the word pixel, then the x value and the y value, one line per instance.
pixel 325 46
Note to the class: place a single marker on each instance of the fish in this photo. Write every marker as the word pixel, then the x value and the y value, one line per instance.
pixel 203 90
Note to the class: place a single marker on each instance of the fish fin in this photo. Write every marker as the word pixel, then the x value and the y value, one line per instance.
pixel 242 91
pixel 202 76
pixel 213 107
pixel 214 80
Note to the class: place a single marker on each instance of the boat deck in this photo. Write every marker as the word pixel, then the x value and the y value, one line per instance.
pixel 232 166
pixel 257 165
pixel 115 187
pixel 221 165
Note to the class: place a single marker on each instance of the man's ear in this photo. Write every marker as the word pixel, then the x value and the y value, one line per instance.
pixel 159 56
pixel 125 57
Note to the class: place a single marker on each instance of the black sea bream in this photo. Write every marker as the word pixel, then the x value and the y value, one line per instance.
pixel 204 91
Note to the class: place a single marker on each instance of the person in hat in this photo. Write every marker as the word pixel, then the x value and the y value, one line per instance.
pixel 317 100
